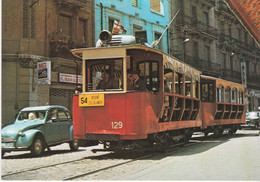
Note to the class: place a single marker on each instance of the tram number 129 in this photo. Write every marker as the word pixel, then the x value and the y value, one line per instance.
pixel 117 124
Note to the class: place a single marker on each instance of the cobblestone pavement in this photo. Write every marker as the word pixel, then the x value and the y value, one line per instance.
pixel 207 158
pixel 21 161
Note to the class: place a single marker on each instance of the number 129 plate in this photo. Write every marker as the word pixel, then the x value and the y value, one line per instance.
pixel 91 100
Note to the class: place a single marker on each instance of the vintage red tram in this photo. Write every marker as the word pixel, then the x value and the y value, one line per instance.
pixel 222 106
pixel 166 111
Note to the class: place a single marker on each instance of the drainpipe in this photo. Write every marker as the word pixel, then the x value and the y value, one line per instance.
pixel 46 30
pixel 76 72
pixel 101 6
pixel 167 37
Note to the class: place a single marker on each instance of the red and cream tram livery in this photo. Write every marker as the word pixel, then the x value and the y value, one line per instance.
pixel 222 105
pixel 138 96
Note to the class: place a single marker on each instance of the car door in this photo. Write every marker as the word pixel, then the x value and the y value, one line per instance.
pixel 64 125
pixel 52 128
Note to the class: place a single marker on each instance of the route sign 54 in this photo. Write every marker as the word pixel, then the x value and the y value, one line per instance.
pixel 91 100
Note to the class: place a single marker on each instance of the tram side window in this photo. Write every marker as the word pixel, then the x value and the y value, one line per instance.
pixel 178 83
pixel 227 95
pixel 234 95
pixel 207 92
pixel 196 89
pixel 241 97
pixel 105 75
pixel 204 92
pixel 220 93
pixel 149 72
pixel 168 81
pixel 188 86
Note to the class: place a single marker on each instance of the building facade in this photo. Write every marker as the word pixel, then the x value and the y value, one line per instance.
pixel 208 36
pixel 134 15
pixel 34 32
pixel 205 34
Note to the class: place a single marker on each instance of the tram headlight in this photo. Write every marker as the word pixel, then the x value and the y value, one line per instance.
pixel 105 36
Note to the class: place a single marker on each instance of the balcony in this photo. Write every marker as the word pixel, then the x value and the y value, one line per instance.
pixel 196 27
pixel 231 75
pixel 223 7
pixel 60 45
pixel 80 3
pixel 208 3
pixel 230 42
pixel 253 80
pixel 207 67
pixel 212 2
pixel 71 4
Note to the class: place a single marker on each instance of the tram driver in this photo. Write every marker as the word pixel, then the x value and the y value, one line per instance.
pixel 135 82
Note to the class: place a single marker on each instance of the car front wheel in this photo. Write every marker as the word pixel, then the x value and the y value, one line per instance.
pixel 3 153
pixel 74 145
pixel 37 146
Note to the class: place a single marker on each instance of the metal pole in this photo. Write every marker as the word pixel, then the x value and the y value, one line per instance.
pixel 101 6
pixel 156 42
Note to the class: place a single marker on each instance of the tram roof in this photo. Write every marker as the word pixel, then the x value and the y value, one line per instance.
pixel 77 52
pixel 120 51
pixel 223 82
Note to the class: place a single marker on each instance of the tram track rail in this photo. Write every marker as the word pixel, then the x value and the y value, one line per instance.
pixel 40 167
pixel 86 167
pixel 106 168
pixel 123 163
pixel 108 162
pixel 89 161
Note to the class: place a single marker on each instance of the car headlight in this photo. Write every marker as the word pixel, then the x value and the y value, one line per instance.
pixel 20 133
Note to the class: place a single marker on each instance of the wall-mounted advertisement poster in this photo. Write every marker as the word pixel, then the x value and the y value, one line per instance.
pixel 44 72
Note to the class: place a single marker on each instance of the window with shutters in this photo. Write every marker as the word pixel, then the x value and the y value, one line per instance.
pixel 65 24
pixel 135 3
pixel 28 20
pixel 33 22
pixel 136 28
pixel 25 19
pixel 157 6
pixel 157 36
pixel 83 31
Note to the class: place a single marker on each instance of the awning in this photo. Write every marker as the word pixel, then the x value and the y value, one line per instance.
pixel 248 13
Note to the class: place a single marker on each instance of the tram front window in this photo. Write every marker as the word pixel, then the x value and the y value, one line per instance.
pixel 105 75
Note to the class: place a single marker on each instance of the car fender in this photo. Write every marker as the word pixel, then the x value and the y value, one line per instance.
pixel 71 133
pixel 27 137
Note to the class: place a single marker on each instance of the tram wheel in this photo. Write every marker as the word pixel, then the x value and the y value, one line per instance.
pixel 218 131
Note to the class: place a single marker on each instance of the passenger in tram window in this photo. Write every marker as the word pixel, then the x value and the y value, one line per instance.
pixel 138 83
pixel 106 82
pixel 166 87
pixel 129 79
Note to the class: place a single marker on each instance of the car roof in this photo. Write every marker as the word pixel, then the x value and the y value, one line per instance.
pixel 37 108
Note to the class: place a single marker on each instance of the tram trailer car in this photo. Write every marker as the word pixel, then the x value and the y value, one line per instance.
pixel 222 105
pixel 165 112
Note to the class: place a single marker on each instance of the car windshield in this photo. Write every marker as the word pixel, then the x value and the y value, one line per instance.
pixel 31 115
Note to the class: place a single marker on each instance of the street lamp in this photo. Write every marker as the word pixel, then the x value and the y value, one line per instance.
pixel 186 40
pixel 183 48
